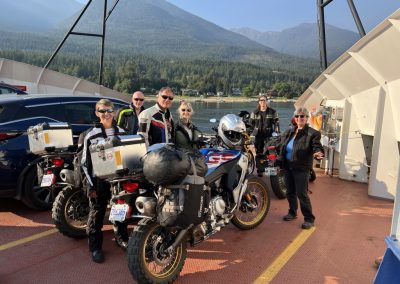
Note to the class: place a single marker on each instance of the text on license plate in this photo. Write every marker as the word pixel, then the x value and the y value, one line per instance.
pixel 271 171
pixel 118 212
pixel 47 180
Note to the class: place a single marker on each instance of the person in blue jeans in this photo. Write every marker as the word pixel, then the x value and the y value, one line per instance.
pixel 300 144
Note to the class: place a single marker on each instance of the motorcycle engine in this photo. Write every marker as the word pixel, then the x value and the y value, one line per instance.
pixel 217 206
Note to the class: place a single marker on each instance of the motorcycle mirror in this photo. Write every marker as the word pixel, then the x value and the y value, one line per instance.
pixel 213 120
pixel 274 134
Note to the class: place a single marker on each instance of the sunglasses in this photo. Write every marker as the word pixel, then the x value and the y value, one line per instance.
pixel 301 116
pixel 105 110
pixel 262 100
pixel 184 109
pixel 167 98
pixel 137 99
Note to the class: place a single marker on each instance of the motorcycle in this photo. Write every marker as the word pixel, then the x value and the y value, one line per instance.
pixel 71 206
pixel 268 163
pixel 129 190
pixel 195 208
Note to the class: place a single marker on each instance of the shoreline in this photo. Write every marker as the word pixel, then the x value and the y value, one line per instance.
pixel 219 99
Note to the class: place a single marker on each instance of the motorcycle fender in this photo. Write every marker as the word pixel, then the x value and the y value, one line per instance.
pixel 242 184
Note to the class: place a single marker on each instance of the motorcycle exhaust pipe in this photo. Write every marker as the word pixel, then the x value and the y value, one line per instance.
pixel 146 205
pixel 67 176
pixel 179 239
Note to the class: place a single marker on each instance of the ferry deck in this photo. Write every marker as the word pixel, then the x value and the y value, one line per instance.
pixel 348 235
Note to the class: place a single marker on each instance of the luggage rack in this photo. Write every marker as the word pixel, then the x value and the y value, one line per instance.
pixel 127 173
pixel 61 151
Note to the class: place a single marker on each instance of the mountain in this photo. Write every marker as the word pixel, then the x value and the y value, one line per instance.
pixel 156 26
pixel 153 28
pixel 35 15
pixel 303 40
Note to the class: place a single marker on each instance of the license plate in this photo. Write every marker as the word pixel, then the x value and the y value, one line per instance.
pixel 118 212
pixel 271 171
pixel 47 180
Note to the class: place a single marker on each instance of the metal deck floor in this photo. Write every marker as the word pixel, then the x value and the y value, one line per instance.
pixel 349 235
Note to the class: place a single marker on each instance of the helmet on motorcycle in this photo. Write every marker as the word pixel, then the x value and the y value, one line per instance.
pixel 230 130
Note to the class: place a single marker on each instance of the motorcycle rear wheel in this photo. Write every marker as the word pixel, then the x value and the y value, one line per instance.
pixel 254 205
pixel 148 261
pixel 35 196
pixel 278 185
pixel 70 212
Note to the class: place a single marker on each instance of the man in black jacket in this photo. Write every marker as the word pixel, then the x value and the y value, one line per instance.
pixel 264 121
pixel 127 118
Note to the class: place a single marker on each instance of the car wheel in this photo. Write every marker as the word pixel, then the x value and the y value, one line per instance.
pixel 34 196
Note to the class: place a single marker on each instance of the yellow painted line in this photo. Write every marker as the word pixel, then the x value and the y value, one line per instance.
pixel 284 257
pixel 28 239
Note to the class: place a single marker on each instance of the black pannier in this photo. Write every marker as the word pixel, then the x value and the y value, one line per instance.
pixel 185 203
pixel 166 165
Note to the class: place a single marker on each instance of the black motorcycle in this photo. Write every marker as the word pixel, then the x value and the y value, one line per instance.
pixel 191 207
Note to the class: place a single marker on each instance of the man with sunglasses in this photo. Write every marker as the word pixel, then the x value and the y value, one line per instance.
pixel 156 123
pixel 264 121
pixel 99 190
pixel 128 118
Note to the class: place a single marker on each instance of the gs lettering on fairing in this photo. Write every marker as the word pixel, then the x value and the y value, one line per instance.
pixel 215 158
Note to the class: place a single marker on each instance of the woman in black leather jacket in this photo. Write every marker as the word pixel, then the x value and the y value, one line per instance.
pixel 186 133
pixel 299 146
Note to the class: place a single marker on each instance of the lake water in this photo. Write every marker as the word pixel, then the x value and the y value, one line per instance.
pixel 203 111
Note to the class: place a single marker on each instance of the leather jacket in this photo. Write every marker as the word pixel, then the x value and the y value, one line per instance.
pixel 264 127
pixel 306 143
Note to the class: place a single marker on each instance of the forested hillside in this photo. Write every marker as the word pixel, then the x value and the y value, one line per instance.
pixel 130 73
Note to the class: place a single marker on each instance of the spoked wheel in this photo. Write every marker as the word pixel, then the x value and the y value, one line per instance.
pixel 278 184
pixel 254 205
pixel 34 195
pixel 71 211
pixel 148 259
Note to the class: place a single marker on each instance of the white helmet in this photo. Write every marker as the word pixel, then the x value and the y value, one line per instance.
pixel 230 130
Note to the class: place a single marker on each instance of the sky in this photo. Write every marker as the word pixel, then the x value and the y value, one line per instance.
pixel 276 15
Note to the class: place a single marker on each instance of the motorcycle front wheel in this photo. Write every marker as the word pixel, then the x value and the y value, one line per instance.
pixel 148 259
pixel 70 212
pixel 254 206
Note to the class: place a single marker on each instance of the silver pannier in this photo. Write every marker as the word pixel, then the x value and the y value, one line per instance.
pixel 115 155
pixel 49 136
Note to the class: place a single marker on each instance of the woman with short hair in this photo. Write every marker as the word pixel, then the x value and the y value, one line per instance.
pixel 300 144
